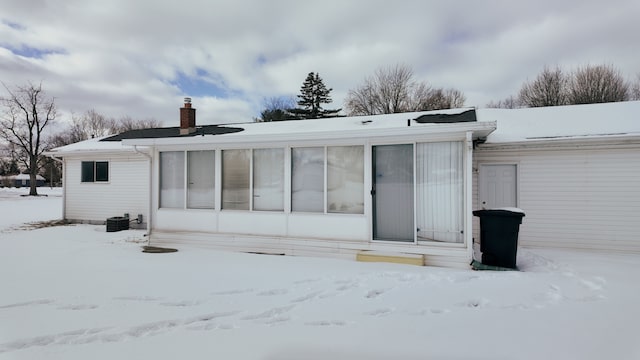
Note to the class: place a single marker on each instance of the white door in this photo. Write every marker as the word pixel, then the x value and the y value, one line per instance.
pixel 498 186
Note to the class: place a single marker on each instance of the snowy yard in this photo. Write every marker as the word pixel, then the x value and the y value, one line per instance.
pixel 78 292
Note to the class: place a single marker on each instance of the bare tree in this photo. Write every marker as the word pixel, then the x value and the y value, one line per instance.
pixel 27 113
pixel 127 123
pixel 390 90
pixel 510 102
pixel 548 89
pixel 586 85
pixel 597 84
pixel 393 90
pixel 635 88
pixel 277 109
pixel 92 124
pixel 443 99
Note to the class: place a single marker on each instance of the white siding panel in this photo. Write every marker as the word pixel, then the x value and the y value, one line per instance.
pixel 186 220
pixel 126 192
pixel 585 199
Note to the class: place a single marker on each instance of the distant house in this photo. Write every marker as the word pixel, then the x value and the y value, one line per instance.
pixel 20 180
pixel 399 183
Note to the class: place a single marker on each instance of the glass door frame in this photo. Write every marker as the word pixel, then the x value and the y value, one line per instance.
pixel 373 193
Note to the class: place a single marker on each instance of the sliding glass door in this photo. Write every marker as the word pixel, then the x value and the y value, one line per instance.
pixel 392 193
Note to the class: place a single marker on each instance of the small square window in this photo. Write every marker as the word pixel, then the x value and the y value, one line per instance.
pixel 95 171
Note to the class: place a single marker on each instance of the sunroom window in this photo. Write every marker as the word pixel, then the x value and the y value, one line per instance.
pixel 235 179
pixel 307 179
pixel 201 179
pixel 440 191
pixel 268 179
pixel 344 179
pixel 172 179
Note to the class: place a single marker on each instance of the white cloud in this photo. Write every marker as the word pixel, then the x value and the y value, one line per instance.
pixel 123 57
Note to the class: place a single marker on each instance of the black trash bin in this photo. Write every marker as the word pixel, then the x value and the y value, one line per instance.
pixel 499 236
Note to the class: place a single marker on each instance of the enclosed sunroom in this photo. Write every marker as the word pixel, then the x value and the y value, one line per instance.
pixel 398 184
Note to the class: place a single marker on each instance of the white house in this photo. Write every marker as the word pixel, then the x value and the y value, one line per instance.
pixel 103 179
pixel 574 170
pixel 400 183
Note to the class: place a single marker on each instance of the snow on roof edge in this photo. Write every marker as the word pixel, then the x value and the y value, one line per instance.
pixel 589 121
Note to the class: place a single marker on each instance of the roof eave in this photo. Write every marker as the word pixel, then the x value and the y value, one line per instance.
pixel 80 152
pixel 584 141
pixel 479 129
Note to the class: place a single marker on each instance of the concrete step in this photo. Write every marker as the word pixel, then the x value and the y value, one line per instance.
pixel 397 258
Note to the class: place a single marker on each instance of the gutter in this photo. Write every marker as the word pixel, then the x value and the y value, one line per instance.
pixel 150 207
pixel 584 142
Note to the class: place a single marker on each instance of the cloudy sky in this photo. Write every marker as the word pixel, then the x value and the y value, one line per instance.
pixel 142 57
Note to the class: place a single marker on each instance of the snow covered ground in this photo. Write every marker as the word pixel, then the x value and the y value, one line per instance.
pixel 78 292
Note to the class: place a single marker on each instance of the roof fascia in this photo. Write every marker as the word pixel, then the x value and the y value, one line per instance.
pixel 582 142
pixel 479 129
pixel 123 150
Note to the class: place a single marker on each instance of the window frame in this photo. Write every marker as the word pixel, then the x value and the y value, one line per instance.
pixel 190 176
pixel 160 180
pixel 287 160
pixel 92 166
pixel 249 179
pixel 325 179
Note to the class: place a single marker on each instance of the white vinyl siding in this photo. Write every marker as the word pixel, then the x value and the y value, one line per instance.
pixel 126 192
pixel 584 199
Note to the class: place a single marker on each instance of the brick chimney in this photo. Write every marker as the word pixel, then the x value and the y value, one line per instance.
pixel 187 118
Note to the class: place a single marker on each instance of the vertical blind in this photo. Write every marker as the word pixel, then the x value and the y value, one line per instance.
pixel 268 179
pixel 440 191
pixel 201 179
pixel 235 179
pixel 172 179
pixel 345 179
pixel 307 179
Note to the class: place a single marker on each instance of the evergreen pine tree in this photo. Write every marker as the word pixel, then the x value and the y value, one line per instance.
pixel 313 93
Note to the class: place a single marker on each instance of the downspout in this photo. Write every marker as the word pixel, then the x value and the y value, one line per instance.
pixel 64 185
pixel 468 191
pixel 150 206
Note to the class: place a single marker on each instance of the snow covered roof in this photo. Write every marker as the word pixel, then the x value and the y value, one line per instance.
pixel 90 146
pixel 22 177
pixel 563 122
pixel 338 128
pixel 513 126
pixel 441 121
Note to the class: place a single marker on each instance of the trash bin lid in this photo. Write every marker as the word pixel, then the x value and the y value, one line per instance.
pixel 505 211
